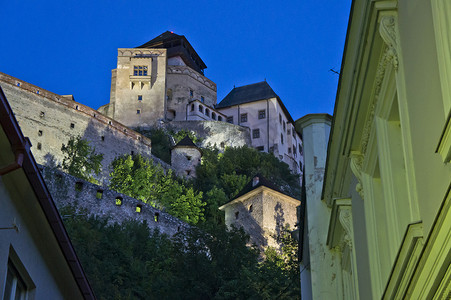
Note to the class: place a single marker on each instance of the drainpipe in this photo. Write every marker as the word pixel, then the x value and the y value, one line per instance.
pixel 239 121
pixel 267 124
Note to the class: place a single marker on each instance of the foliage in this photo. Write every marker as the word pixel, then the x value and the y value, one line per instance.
pixel 137 177
pixel 81 160
pixel 162 140
pixel 129 261
pixel 230 171
pixel 179 135
pixel 161 144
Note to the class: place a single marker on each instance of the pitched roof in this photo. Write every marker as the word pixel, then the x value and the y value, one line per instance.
pixel 252 93
pixel 177 45
pixel 186 142
pixel 262 181
pixel 248 93
pixel 159 40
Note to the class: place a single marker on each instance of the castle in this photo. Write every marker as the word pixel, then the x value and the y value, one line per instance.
pixel 160 84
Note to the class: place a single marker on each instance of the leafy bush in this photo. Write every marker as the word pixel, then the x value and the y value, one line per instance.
pixel 81 160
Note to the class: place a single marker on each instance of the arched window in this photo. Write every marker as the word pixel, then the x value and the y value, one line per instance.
pixel 213 116
pixel 207 112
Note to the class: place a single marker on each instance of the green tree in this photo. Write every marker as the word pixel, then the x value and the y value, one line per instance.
pixel 80 159
pixel 138 177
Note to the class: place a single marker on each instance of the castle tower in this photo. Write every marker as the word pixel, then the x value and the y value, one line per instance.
pixel 185 156
pixel 263 211
pixel 157 81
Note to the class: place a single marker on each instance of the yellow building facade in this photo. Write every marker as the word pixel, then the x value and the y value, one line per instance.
pixel 388 171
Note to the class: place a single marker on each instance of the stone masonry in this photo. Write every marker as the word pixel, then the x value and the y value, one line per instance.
pixel 99 201
pixel 50 120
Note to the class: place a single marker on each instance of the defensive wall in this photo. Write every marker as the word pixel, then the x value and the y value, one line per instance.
pixel 217 133
pixel 99 201
pixel 50 120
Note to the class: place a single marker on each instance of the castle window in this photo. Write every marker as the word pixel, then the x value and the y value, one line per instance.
pixel 262 114
pixel 283 125
pixel 222 144
pixel 192 107
pixel 125 130
pixel 140 70
pixel 109 122
pixel 281 138
pixel 188 157
pixel 132 152
pixel 138 111
pixel 39 146
pixel 300 149
pixel 76 107
pixel 42 114
pixel 213 116
pixel 191 93
pixel 138 208
pixel 237 214
pixel 95 115
pixel 289 131
pixel 294 150
pixel 99 194
pixel 78 186
pixel 156 217
pixel 230 120
pixel 118 201
pixel 140 97
pixel 219 118
pixel 289 150
pixel 202 99
pixel 256 133
pixel 251 208
pixel 201 109
pixel 40 133
pixel 72 125
pixel 280 119
pixel 243 118
pixel 207 112
pixel 18 84
pixel 37 92
pixel 188 172
pixel 102 138
pixel 260 148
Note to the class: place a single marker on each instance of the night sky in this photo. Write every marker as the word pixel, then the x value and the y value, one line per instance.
pixel 70 47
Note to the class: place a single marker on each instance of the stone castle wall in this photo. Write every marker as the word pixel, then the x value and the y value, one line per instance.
pixel 221 134
pixel 50 120
pixel 96 200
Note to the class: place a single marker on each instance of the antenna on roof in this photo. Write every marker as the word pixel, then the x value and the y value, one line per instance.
pixel 265 79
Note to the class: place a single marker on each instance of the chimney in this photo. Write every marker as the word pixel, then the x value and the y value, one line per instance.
pixel 255 181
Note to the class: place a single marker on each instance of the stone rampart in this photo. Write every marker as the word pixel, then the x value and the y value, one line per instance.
pixel 99 201
pixel 221 134
pixel 50 120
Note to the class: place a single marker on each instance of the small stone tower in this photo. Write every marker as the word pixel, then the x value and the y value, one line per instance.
pixel 262 210
pixel 185 156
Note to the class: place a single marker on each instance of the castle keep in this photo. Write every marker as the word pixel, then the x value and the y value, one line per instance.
pixel 162 84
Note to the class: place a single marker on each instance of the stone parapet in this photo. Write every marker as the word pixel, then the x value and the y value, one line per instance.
pixel 101 202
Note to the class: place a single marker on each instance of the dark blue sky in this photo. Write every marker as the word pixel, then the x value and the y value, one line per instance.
pixel 70 47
